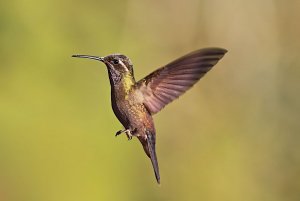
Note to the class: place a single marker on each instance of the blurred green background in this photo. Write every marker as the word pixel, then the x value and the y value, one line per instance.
pixel 234 136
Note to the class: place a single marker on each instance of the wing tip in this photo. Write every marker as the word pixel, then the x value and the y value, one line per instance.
pixel 208 51
pixel 215 50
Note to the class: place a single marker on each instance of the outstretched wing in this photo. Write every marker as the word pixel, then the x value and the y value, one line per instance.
pixel 167 83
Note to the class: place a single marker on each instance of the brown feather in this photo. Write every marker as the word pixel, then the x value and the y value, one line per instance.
pixel 169 82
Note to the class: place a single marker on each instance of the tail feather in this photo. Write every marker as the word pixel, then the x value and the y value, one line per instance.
pixel 152 155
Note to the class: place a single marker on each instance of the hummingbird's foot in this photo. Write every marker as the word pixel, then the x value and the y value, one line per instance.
pixel 128 134
pixel 126 131
pixel 119 132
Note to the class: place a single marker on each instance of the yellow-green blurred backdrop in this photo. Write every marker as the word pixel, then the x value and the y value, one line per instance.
pixel 234 136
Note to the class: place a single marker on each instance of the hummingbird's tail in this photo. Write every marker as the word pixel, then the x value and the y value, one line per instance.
pixel 153 157
pixel 149 147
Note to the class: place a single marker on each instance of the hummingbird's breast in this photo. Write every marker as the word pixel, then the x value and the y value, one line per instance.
pixel 131 112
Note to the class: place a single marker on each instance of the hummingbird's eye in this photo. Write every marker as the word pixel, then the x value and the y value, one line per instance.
pixel 115 61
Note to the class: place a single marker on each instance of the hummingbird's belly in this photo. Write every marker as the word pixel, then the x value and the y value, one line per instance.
pixel 134 116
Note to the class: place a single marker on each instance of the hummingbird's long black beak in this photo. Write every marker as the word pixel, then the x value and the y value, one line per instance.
pixel 89 57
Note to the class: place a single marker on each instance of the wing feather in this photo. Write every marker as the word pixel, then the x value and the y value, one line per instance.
pixel 169 82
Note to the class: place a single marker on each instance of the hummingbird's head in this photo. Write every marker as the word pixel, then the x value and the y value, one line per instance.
pixel 119 63
pixel 116 63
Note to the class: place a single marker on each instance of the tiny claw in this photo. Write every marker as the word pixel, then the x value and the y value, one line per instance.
pixel 119 133
pixel 128 134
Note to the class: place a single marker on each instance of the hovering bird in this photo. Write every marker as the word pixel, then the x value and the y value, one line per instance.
pixel 134 103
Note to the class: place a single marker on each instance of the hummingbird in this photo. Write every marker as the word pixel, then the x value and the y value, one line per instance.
pixel 134 102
